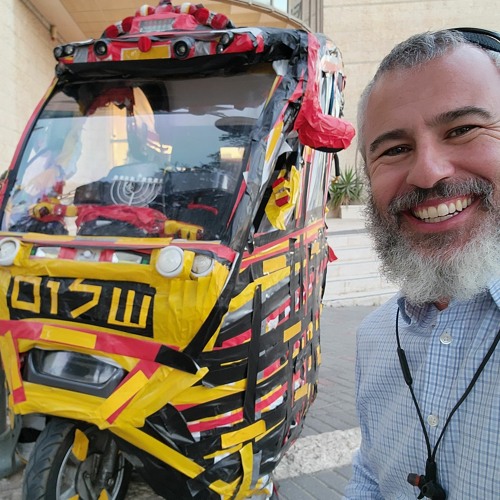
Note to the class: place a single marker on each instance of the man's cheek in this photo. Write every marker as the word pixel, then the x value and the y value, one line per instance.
pixel 381 198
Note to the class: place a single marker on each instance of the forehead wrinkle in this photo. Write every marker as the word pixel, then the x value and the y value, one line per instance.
pixel 455 114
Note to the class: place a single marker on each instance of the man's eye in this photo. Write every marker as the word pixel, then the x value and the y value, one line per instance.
pixel 461 130
pixel 395 151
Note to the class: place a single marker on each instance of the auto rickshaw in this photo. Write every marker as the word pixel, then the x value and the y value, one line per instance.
pixel 163 255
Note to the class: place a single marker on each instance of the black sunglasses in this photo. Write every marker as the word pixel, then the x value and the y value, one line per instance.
pixel 489 40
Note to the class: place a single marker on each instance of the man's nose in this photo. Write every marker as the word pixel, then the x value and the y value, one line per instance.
pixel 430 165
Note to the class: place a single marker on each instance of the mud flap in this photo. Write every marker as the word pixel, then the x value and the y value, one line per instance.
pixel 9 434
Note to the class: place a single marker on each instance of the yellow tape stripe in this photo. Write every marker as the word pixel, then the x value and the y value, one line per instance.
pixel 292 331
pixel 273 139
pixel 246 454
pixel 80 445
pixel 204 395
pixel 226 490
pixel 245 434
pixel 301 392
pixel 69 337
pixel 271 429
pixel 161 52
pixel 9 359
pixel 125 392
pixel 224 452
pixel 273 264
pixel 159 450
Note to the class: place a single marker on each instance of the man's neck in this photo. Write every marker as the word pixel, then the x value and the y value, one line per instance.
pixel 442 304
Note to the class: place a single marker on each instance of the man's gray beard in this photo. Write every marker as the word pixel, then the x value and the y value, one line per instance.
pixel 436 267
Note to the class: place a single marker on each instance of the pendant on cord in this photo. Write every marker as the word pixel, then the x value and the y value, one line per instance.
pixel 428 484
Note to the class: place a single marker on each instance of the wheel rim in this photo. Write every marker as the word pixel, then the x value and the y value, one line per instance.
pixel 77 478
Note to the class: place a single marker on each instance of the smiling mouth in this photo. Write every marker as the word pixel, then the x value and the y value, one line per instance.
pixel 443 211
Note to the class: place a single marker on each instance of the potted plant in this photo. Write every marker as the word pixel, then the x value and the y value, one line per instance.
pixel 346 189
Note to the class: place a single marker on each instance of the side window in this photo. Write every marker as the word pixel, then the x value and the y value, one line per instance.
pixel 316 185
pixel 279 205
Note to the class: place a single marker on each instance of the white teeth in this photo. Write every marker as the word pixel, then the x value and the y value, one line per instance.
pixel 443 211
pixel 432 211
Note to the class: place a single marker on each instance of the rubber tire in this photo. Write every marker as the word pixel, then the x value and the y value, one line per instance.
pixel 44 467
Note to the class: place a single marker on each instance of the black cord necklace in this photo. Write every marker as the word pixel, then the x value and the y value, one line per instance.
pixel 428 483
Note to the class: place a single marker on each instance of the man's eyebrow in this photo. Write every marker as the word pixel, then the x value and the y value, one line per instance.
pixel 441 118
pixel 390 135
pixel 455 114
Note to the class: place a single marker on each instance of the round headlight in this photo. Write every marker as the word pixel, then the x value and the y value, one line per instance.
pixel 58 51
pixel 8 251
pixel 170 261
pixel 202 265
pixel 69 50
pixel 100 48
pixel 182 48
pixel 227 38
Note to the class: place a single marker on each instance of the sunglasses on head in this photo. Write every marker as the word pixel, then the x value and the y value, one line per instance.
pixel 489 40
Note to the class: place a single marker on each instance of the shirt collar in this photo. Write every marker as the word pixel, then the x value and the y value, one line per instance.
pixel 495 291
pixel 412 314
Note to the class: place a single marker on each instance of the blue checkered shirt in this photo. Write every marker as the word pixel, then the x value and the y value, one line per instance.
pixel 444 350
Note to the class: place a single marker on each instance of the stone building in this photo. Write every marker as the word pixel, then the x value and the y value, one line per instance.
pixel 364 30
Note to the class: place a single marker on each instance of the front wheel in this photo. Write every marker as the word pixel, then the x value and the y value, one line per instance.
pixel 72 460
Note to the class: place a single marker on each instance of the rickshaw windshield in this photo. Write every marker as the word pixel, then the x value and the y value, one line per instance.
pixel 126 157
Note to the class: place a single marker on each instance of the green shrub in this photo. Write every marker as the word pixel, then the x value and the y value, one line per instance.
pixel 346 189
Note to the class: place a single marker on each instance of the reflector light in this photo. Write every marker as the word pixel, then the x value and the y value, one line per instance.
pixel 170 261
pixel 127 24
pixel 9 248
pixel 144 44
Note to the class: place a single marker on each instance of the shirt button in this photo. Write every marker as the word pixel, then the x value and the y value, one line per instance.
pixel 445 338
pixel 433 420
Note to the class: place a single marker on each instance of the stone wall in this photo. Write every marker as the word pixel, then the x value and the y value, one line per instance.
pixel 365 31
pixel 27 70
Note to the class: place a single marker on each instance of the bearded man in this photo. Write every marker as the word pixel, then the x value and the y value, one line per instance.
pixel 427 369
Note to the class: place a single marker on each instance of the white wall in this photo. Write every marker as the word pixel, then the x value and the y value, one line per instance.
pixel 27 68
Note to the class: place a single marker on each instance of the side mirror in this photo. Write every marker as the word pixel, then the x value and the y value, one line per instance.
pixel 321 131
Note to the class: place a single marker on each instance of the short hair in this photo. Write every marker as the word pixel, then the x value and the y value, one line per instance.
pixel 416 50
